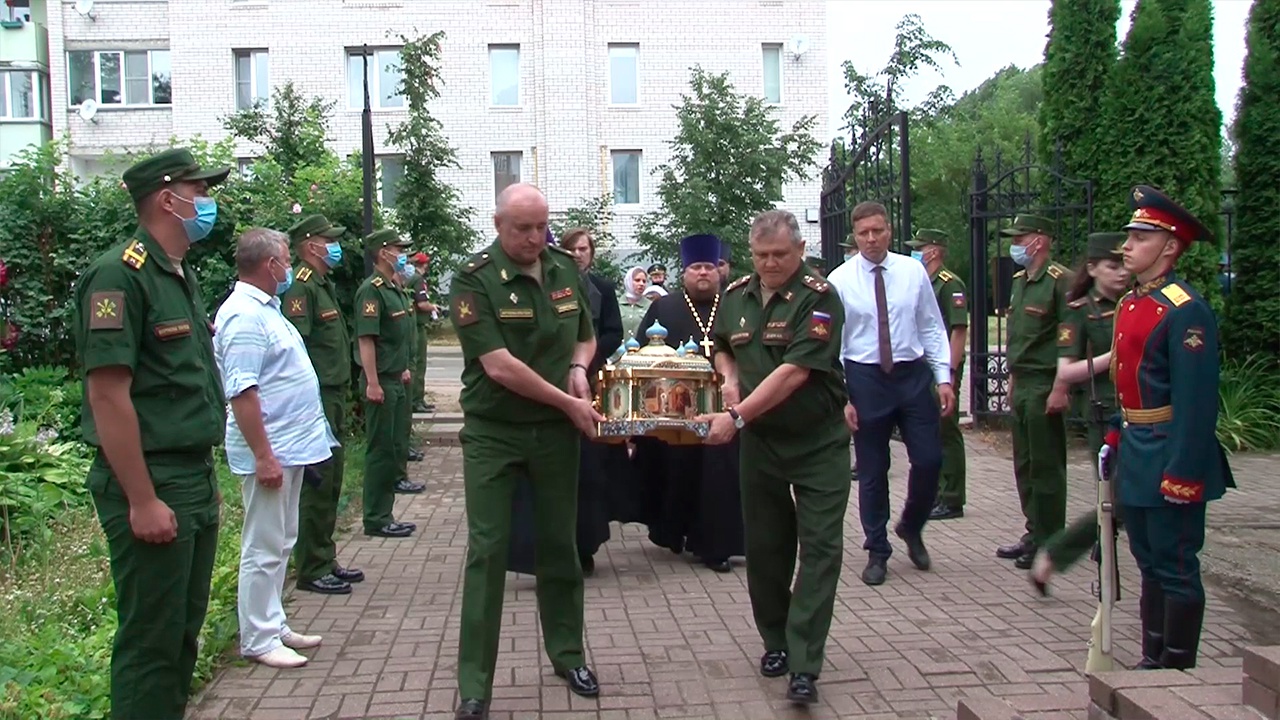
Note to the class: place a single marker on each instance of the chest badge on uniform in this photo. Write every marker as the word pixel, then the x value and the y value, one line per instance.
pixel 503 274
pixel 514 298
pixel 562 294
pixel 742 322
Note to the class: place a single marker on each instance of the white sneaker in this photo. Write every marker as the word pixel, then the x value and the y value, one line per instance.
pixel 281 657
pixel 298 641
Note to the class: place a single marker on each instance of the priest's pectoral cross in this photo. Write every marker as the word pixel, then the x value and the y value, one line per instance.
pixel 707 346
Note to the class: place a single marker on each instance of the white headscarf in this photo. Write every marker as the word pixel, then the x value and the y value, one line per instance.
pixel 657 289
pixel 628 286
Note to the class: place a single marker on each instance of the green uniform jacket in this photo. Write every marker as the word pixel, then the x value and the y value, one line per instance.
pixel 382 311
pixel 801 324
pixel 495 306
pixel 1087 328
pixel 949 289
pixel 133 310
pixel 311 304
pixel 1038 306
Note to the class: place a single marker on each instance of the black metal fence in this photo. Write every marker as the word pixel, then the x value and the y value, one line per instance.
pixel 878 168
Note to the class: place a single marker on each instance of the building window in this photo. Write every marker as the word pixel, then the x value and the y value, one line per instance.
pixel 626 177
pixel 23 95
pixel 384 79
pixel 773 73
pixel 506 171
pixel 390 174
pixel 112 77
pixel 16 10
pixel 624 74
pixel 252 84
pixel 244 166
pixel 504 75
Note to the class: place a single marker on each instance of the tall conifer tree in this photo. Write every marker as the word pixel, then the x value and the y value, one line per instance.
pixel 1077 62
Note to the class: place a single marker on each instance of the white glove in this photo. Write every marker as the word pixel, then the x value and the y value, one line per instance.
pixel 1176 501
pixel 1104 460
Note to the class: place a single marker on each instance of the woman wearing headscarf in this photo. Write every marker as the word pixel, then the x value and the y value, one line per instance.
pixel 633 304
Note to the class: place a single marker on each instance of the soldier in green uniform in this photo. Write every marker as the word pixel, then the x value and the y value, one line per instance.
pixel 154 410
pixel 778 346
pixel 930 247
pixel 1037 399
pixel 426 313
pixel 1086 332
pixel 523 317
pixel 311 304
pixel 403 485
pixel 384 329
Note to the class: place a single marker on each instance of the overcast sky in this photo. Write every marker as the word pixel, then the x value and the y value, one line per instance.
pixel 988 35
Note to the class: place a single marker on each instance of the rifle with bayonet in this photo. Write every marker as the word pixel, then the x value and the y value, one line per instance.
pixel 1099 659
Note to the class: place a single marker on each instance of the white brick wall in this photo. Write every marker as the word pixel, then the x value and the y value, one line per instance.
pixel 565 126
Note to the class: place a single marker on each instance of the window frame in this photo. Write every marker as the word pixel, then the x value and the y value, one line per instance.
pixel 765 48
pixel 493 164
pixel 40 91
pixel 613 172
pixel 259 96
pixel 96 55
pixel 610 98
pixel 382 180
pixel 519 103
pixel 375 80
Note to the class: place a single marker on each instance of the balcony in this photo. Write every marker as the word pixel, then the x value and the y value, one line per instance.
pixel 24 44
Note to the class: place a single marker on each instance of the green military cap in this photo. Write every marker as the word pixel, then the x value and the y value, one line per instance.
pixel 1153 210
pixel 312 226
pixel 1105 245
pixel 926 236
pixel 386 237
pixel 1027 224
pixel 176 165
pixel 848 242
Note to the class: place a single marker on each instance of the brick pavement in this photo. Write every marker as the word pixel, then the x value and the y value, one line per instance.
pixel 670 639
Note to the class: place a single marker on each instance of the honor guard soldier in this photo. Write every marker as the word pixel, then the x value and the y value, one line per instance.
pixel 1163 444
pixel 930 248
pixel 523 318
pixel 384 332
pixel 311 304
pixel 154 410
pixel 1037 401
pixel 777 341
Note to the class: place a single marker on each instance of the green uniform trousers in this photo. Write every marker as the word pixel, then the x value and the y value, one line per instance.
pixel 162 590
pixel 315 554
pixel 1066 547
pixel 495 455
pixel 951 481
pixel 1039 457
pixel 796 620
pixel 387 434
pixel 418 391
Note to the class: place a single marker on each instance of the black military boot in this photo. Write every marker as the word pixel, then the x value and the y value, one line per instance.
pixel 1151 610
pixel 1182 621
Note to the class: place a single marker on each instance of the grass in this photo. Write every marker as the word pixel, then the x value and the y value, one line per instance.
pixel 57 611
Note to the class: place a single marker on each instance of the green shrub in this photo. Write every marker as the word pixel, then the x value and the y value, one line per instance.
pixel 1249 405
pixel 44 396
pixel 39 480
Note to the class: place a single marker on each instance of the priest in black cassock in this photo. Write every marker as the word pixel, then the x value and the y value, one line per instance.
pixel 691 495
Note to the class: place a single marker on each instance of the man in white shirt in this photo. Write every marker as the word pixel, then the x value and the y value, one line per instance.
pixel 894 350
pixel 275 429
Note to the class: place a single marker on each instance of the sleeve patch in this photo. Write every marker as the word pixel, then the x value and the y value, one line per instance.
pixel 1066 335
pixel 957 299
pixel 106 310
pixel 1194 339
pixel 296 307
pixel 820 325
pixel 370 308
pixel 464 309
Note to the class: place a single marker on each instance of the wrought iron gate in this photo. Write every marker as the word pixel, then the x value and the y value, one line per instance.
pixel 1000 190
pixel 878 168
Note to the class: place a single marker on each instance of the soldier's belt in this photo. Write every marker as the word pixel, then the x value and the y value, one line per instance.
pixel 1147 416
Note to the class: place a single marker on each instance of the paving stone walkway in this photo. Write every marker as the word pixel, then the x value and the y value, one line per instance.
pixel 670 639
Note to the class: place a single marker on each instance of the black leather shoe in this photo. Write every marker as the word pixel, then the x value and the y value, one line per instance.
pixel 1024 562
pixel 774 663
pixel 472 709
pixel 875 571
pixel 424 408
pixel 351 575
pixel 720 566
pixel 405 487
pixel 588 564
pixel 390 530
pixel 326 585
pixel 416 456
pixel 803 689
pixel 946 512
pixel 916 551
pixel 1014 551
pixel 581 681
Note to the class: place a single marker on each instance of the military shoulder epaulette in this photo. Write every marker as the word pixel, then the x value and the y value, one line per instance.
pixel 1077 303
pixel 1020 273
pixel 738 283
pixel 378 281
pixel 304 274
pixel 946 276
pixel 815 284
pixel 1055 270
pixel 1176 294
pixel 135 256
pixel 476 262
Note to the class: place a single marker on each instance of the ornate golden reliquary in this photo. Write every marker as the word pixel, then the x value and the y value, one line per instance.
pixel 657 391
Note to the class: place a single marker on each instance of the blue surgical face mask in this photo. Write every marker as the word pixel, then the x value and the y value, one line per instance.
pixel 408 272
pixel 199 227
pixel 282 286
pixel 333 254
pixel 1018 254
pixel 401 259
pixel 918 256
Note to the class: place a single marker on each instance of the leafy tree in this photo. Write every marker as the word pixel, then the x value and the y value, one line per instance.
pixel 727 159
pixel 875 97
pixel 1253 307
pixel 428 209
pixel 1162 125
pixel 1078 59
pixel 292 130
pixel 596 214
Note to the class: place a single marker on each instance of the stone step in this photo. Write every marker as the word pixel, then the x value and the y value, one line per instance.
pixel 1261 685
pixel 437 417
pixel 1021 707
pixel 1198 694
pixel 442 435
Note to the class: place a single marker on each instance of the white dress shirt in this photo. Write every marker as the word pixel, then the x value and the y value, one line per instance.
pixel 915 323
pixel 255 346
